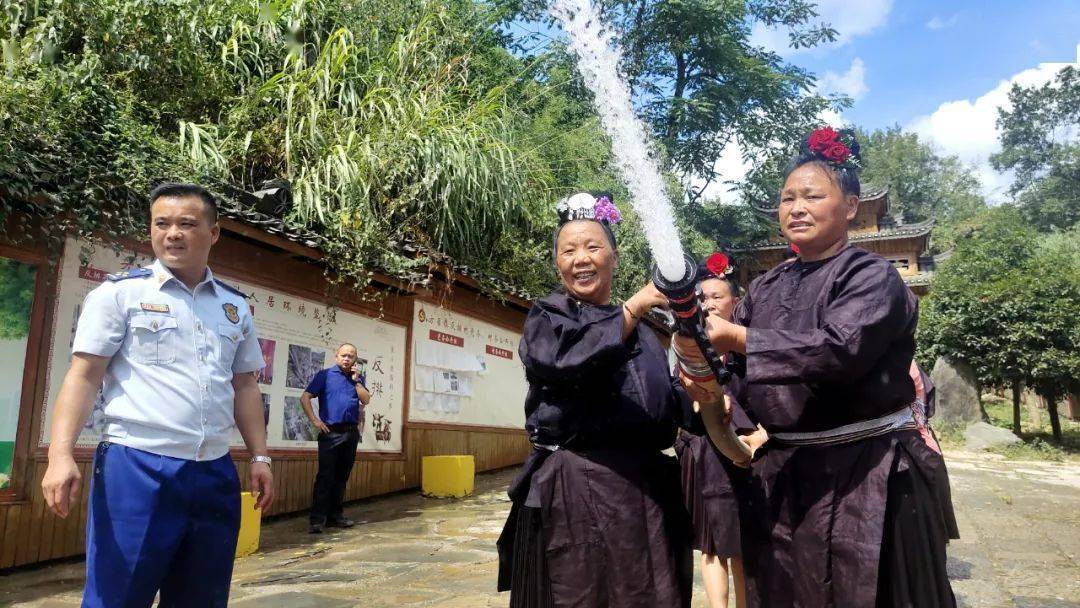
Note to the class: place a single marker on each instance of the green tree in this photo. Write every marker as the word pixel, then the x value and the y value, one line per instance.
pixel 1010 307
pixel 921 183
pixel 16 297
pixel 392 119
pixel 1040 143
pixel 700 82
pixel 396 122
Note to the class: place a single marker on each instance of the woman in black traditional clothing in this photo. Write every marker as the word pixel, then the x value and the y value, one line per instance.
pixel 597 518
pixel 845 483
pixel 713 485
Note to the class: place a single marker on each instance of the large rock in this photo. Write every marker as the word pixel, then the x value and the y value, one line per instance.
pixel 982 436
pixel 957 393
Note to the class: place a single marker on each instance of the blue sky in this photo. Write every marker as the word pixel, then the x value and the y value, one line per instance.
pixel 941 69
pixel 918 54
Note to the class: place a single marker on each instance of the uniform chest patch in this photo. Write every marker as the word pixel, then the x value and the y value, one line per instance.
pixel 231 312
pixel 151 307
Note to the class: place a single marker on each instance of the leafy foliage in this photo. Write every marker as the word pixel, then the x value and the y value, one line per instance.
pixel 1040 143
pixel 371 109
pixel 16 297
pixel 701 84
pixel 921 183
pixel 1009 305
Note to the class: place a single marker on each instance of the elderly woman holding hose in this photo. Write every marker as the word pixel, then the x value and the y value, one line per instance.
pixel 846 484
pixel 597 518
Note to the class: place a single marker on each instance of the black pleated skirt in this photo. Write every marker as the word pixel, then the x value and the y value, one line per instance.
pixel 528 582
pixel 711 487
pixel 911 570
pixel 608 531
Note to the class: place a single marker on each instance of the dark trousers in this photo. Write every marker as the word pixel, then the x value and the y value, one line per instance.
pixel 337 452
pixel 160 524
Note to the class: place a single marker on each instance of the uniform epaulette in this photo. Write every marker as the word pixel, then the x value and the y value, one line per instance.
pixel 231 288
pixel 134 273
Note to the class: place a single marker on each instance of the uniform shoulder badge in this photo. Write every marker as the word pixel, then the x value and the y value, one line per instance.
pixel 232 313
pixel 134 273
pixel 230 288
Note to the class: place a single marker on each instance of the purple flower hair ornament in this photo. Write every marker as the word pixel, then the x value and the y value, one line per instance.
pixel 584 206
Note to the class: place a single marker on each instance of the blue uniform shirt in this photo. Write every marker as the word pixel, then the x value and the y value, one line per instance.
pixel 168 388
pixel 336 391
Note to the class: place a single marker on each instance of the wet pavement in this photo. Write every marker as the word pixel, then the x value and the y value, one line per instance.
pixel 1019 523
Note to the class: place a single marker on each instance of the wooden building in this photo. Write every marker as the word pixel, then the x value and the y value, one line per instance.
pixel 260 254
pixel 873 229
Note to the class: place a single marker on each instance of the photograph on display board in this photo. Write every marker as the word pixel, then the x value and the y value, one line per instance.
pixel 266 374
pixel 16 297
pixel 304 363
pixel 266 408
pixel 295 424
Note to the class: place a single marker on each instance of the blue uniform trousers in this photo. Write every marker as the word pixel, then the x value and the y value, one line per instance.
pixel 160 523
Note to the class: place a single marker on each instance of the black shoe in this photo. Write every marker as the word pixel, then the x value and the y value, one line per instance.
pixel 315 529
pixel 344 522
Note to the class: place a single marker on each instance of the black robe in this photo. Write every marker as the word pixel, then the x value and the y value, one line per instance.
pixel 597 518
pixel 829 343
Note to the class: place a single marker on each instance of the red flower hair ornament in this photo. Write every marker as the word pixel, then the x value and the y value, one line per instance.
pixel 838 148
pixel 719 264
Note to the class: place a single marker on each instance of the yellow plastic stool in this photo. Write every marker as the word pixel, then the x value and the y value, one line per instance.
pixel 250 525
pixel 447 476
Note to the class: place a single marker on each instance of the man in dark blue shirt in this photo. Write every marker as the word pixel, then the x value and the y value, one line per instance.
pixel 340 391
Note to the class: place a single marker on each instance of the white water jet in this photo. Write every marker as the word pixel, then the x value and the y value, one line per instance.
pixel 598 58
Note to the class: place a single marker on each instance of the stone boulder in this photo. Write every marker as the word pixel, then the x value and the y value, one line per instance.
pixel 983 436
pixel 957 393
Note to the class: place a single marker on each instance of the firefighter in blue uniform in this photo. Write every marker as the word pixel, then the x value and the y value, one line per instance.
pixel 172 348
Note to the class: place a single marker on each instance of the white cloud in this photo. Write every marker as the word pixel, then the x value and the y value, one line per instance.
pixel 730 167
pixel 851 83
pixel 937 23
pixel 967 128
pixel 849 19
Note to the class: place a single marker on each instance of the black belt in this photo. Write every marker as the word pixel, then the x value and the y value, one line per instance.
pixel 340 427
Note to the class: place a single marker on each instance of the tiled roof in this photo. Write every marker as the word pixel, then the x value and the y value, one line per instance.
pixel 921 279
pixel 905 231
pixel 233 209
pixel 230 208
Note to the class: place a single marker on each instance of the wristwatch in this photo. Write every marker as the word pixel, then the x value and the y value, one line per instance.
pixel 265 459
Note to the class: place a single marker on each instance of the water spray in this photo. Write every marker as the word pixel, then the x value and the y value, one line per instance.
pixel 675 274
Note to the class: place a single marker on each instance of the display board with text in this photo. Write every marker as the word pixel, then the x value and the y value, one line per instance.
pixel 465 371
pixel 298 337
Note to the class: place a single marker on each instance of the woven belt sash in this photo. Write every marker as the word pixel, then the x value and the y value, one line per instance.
pixel 901 420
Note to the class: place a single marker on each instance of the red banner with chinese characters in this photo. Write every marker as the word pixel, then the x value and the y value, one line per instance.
pixel 499 352
pixel 89 273
pixel 439 336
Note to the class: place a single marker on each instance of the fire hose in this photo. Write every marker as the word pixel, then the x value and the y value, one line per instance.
pixel 690 321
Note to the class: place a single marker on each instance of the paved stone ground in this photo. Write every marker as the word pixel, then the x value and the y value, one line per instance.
pixel 1019 522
